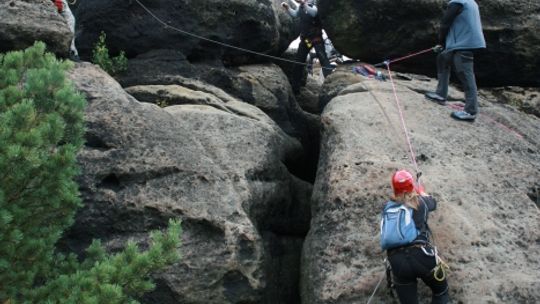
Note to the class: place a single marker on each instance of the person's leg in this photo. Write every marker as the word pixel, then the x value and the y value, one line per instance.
pixel 444 67
pixel 464 66
pixel 404 277
pixel 70 20
pixel 426 264
pixel 323 59
pixel 439 289
pixel 298 69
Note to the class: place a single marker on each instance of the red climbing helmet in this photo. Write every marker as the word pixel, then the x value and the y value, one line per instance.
pixel 402 182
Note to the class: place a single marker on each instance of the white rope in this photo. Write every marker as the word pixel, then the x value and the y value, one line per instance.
pixel 376 287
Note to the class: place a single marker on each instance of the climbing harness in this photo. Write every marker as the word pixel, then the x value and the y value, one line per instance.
pixel 369 71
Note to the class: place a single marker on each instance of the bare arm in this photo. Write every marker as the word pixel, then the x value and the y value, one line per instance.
pixel 293 11
pixel 311 9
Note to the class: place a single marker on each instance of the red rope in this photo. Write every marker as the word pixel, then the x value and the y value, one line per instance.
pixel 500 124
pixel 403 125
pixel 411 55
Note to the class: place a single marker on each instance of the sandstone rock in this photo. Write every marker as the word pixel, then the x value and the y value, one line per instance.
pixel 256 25
pixel 525 99
pixel 486 225
pixel 262 85
pixel 23 22
pixel 221 170
pixel 374 30
pixel 341 78
pixel 308 99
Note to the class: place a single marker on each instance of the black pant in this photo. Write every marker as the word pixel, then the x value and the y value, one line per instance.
pixel 408 265
pixel 301 54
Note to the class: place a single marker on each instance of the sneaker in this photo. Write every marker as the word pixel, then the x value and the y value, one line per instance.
pixel 462 115
pixel 435 98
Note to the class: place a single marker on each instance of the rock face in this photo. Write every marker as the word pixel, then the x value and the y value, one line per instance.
pixel 23 22
pixel 262 85
pixel 219 167
pixel 525 99
pixel 256 25
pixel 482 174
pixel 375 30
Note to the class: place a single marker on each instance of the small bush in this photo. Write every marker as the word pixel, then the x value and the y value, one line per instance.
pixel 41 131
pixel 101 57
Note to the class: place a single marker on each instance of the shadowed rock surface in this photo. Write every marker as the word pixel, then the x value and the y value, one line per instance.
pixel 262 85
pixel 376 30
pixel 486 226
pixel 256 25
pixel 221 172
pixel 22 22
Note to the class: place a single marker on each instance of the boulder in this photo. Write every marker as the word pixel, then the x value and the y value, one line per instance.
pixel 23 22
pixel 220 169
pixel 262 85
pixel 255 25
pixel 483 174
pixel 308 99
pixel 375 30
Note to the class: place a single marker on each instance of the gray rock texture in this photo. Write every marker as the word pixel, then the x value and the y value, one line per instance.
pixel 256 25
pixel 375 30
pixel 22 22
pixel 262 85
pixel 483 175
pixel 219 169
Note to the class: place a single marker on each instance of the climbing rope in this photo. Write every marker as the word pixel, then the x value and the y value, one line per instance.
pixel 493 120
pixel 388 62
pixel 375 290
pixel 219 42
pixel 402 118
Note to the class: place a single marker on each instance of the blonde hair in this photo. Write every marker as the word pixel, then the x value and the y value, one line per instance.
pixel 409 199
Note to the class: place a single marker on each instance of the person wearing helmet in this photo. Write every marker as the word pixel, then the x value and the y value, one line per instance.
pixel 64 10
pixel 419 258
pixel 310 37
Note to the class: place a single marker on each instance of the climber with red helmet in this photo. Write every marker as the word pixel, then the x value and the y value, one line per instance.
pixel 416 257
pixel 63 9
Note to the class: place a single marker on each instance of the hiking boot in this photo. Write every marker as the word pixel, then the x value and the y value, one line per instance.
pixel 462 115
pixel 74 58
pixel 435 98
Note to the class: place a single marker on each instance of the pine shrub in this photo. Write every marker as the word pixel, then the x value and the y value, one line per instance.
pixel 101 57
pixel 41 130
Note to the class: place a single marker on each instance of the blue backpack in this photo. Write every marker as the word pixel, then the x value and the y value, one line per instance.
pixel 397 226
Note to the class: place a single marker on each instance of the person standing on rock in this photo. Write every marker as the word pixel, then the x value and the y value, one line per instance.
pixel 459 36
pixel 63 9
pixel 416 258
pixel 310 37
